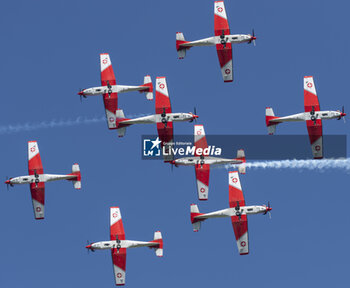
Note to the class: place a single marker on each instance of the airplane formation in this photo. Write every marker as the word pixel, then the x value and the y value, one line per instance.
pixel 164 118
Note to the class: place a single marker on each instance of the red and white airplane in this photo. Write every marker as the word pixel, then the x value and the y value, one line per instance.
pixel 164 116
pixel 118 245
pixel 312 115
pixel 202 162
pixel 37 179
pixel 238 212
pixel 223 41
pixel 110 89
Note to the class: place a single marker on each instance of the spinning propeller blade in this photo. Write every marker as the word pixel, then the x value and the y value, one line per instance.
pixel 194 114
pixel 252 39
pixel 81 94
pixel 268 209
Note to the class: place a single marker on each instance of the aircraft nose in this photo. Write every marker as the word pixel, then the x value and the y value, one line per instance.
pixel 7 182
pixel 268 209
pixel 81 93
pixel 195 116
pixel 88 246
pixel 343 114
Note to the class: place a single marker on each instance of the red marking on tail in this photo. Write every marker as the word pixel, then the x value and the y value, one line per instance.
pixel 193 215
pixel 159 243
pixel 149 85
pixel 268 118
pixel 77 178
pixel 179 43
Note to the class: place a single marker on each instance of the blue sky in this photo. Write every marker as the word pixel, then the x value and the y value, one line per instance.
pixel 50 49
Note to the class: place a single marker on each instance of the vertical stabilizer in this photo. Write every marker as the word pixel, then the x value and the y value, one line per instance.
pixel 271 126
pixel 180 39
pixel 195 223
pixel 76 171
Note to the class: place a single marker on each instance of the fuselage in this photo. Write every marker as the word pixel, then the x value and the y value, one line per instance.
pixel 305 116
pixel 40 178
pixel 112 89
pixel 157 118
pixel 196 160
pixel 243 210
pixel 102 245
pixel 211 41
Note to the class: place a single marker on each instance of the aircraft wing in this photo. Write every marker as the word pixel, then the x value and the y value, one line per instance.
pixel 314 128
pixel 34 159
pixel 240 224
pixel 118 256
pixel 202 179
pixel 164 127
pixel 110 99
pixel 38 199
pixel 221 28
pixel 202 171
pixel 37 190
pixel 200 140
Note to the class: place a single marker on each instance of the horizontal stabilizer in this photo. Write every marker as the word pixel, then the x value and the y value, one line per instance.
pixel 158 238
pixel 242 168
pixel 76 171
pixel 180 39
pixel 120 117
pixel 121 132
pixel 241 155
pixel 148 82
pixel 271 126
pixel 196 223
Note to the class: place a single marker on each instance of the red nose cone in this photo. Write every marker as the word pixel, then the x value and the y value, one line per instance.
pixel 81 93
pixel 268 208
pixel 7 182
pixel 88 246
pixel 343 114
pixel 253 38
pixel 195 116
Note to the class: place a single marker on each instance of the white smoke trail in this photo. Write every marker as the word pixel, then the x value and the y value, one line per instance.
pixel 320 165
pixel 17 128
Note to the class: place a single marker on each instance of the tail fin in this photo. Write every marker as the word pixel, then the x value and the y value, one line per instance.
pixel 180 39
pixel 76 171
pixel 147 82
pixel 196 223
pixel 269 115
pixel 121 130
pixel 241 156
pixel 158 238
pixel 242 168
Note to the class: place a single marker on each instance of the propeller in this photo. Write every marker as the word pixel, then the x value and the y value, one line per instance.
pixel 268 209
pixel 342 115
pixel 88 247
pixel 194 114
pixel 172 163
pixel 81 94
pixel 7 182
pixel 252 38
